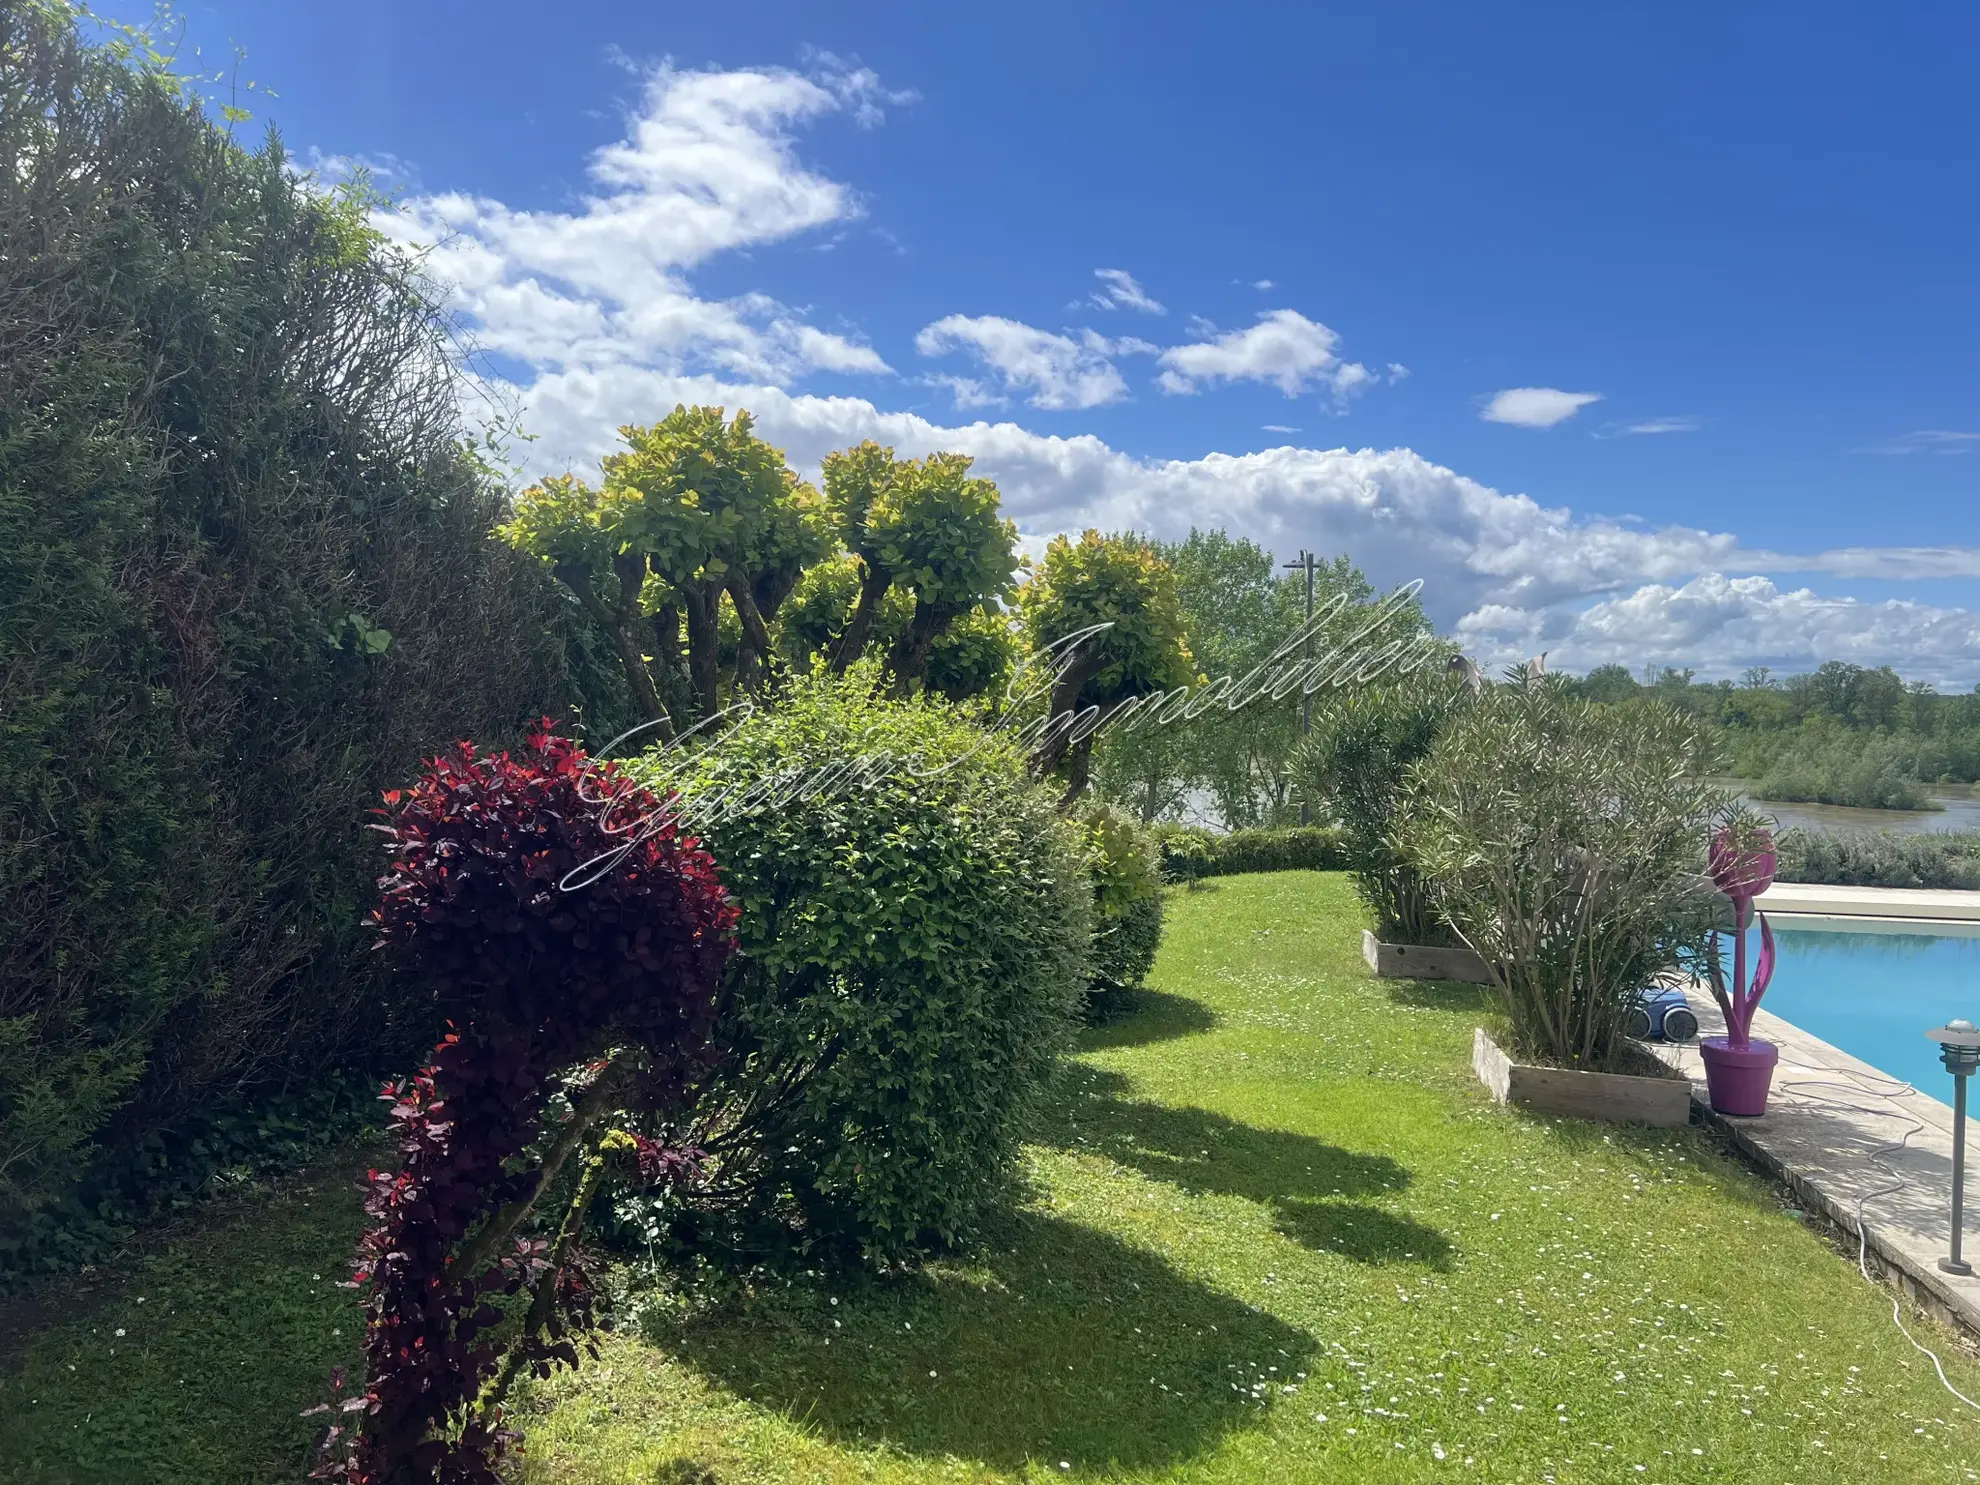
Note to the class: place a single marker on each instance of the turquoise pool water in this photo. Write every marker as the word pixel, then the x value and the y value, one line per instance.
pixel 1875 989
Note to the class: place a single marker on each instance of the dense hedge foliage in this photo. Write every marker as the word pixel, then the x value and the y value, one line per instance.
pixel 1869 771
pixel 1188 852
pixel 912 947
pixel 245 579
pixel 1848 858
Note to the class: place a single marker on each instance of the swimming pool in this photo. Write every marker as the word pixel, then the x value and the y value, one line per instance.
pixel 1874 989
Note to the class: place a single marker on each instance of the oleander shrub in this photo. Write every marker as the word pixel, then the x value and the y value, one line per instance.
pixel 573 940
pixel 1189 852
pixel 1566 842
pixel 246 580
pixel 913 946
pixel 1355 767
pixel 1879 858
pixel 1127 906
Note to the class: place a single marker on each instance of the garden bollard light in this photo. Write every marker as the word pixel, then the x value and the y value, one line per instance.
pixel 1959 1045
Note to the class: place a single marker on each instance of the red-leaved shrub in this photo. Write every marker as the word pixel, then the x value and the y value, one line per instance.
pixel 554 975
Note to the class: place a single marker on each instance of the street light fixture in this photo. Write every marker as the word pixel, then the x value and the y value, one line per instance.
pixel 1306 563
pixel 1959 1046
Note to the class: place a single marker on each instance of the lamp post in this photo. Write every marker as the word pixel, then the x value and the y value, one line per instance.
pixel 1306 561
pixel 1959 1046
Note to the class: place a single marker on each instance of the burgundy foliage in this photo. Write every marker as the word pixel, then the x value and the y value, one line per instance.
pixel 536 980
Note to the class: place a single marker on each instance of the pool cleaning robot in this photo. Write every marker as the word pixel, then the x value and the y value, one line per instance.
pixel 1662 1014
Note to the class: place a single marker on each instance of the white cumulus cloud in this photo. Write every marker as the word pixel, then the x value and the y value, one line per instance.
pixel 708 165
pixel 1284 348
pixel 1051 371
pixel 1536 407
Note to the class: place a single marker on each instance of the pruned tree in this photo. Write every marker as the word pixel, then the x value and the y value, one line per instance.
pixel 814 619
pixel 694 509
pixel 855 480
pixel 924 525
pixel 941 535
pixel 578 530
pixel 1119 582
pixel 718 512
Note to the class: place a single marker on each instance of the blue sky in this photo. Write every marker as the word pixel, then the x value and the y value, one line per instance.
pixel 1748 232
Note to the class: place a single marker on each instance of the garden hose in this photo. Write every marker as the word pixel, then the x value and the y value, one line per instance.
pixel 1899 1182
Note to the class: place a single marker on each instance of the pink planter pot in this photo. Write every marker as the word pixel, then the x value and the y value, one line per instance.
pixel 1737 1078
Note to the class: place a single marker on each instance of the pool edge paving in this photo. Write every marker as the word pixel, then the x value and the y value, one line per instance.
pixel 1835 1133
pixel 1913 904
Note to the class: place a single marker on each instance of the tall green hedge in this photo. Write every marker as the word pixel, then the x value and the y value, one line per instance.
pixel 246 579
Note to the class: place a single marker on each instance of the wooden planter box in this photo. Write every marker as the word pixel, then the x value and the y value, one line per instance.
pixel 1421 962
pixel 1619 1098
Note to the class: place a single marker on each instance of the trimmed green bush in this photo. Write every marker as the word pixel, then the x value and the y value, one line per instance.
pixel 913 945
pixel 1189 852
pixel 1127 906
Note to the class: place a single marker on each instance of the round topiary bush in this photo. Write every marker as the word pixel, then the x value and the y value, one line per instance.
pixel 913 943
pixel 1127 906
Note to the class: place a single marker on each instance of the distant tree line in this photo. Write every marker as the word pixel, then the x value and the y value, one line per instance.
pixel 1840 734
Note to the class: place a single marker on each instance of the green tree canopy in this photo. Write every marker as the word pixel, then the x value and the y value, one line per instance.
pixel 694 509
pixel 1119 582
pixel 922 525
pixel 1240 608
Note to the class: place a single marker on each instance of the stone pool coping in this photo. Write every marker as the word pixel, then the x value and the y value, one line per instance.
pixel 1828 1114
pixel 1915 903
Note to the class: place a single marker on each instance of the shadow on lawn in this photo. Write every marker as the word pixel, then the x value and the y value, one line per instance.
pixel 1364 1233
pixel 1438 995
pixel 1060 1343
pixel 1307 1183
pixel 1149 1016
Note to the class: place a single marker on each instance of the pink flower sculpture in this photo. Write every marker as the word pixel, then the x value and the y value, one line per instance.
pixel 1743 872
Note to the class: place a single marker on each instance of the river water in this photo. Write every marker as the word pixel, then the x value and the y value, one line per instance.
pixel 1960 810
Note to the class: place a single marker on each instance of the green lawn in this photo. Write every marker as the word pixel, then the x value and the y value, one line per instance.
pixel 1276 1233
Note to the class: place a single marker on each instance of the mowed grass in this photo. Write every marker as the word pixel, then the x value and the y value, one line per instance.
pixel 1278 1233
pixel 193 1362
pixel 1275 1232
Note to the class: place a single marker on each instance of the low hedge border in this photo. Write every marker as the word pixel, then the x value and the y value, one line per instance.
pixel 1190 853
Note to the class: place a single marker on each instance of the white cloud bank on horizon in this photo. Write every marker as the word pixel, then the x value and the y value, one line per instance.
pixel 1505 574
pixel 596 302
